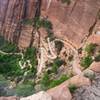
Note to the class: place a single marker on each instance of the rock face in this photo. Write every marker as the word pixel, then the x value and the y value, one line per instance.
pixel 11 14
pixel 73 21
pixel 39 96
pixel 70 22
pixel 60 93
pixel 91 92
pixel 95 66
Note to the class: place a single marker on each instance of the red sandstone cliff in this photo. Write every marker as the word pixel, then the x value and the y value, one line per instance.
pixel 71 22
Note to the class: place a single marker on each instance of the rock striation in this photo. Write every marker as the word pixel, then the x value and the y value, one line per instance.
pixel 70 22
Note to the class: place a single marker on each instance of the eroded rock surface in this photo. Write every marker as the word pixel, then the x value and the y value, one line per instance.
pixel 70 22
pixel 39 96
pixel 73 21
pixel 91 92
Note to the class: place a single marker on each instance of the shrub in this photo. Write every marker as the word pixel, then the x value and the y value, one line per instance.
pixel 72 88
pixel 24 90
pixel 3 85
pixel 66 1
pixel 9 65
pixel 54 83
pixel 89 74
pixel 59 45
pixel 27 21
pixel 56 64
pixel 70 58
pixel 46 24
pixel 50 35
pixel 30 54
pixel 7 46
pixel 97 58
pixel 45 81
pixel 38 22
pixel 86 61
pixel 90 48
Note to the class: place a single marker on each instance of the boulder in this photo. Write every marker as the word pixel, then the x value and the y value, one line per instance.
pixel 60 93
pixel 95 66
pixel 78 81
pixel 89 74
pixel 38 96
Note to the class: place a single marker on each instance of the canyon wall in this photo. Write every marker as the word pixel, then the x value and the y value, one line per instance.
pixel 74 21
pixel 11 15
pixel 71 22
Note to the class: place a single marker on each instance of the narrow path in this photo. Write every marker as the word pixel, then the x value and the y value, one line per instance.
pixel 20 62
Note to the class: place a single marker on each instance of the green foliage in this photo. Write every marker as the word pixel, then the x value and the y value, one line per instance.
pixel 59 45
pixel 24 90
pixel 54 83
pixel 72 88
pixel 97 58
pixel 3 81
pixel 46 24
pixel 10 69
pixel 9 65
pixel 38 22
pixel 30 54
pixel 7 46
pixel 3 84
pixel 90 48
pixel 45 81
pixel 86 61
pixel 50 35
pixel 56 64
pixel 27 21
pixel 66 1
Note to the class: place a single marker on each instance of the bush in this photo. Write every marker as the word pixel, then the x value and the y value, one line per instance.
pixel 54 83
pixel 72 88
pixel 27 21
pixel 7 46
pixel 90 48
pixel 50 35
pixel 3 85
pixel 38 22
pixel 45 81
pixel 56 64
pixel 30 54
pixel 86 61
pixel 66 1
pixel 9 65
pixel 97 58
pixel 24 90
pixel 46 24
pixel 59 45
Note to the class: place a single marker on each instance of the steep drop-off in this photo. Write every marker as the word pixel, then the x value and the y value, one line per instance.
pixel 71 21
pixel 49 42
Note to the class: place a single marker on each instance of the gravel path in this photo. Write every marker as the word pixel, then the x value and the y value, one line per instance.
pixel 89 92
